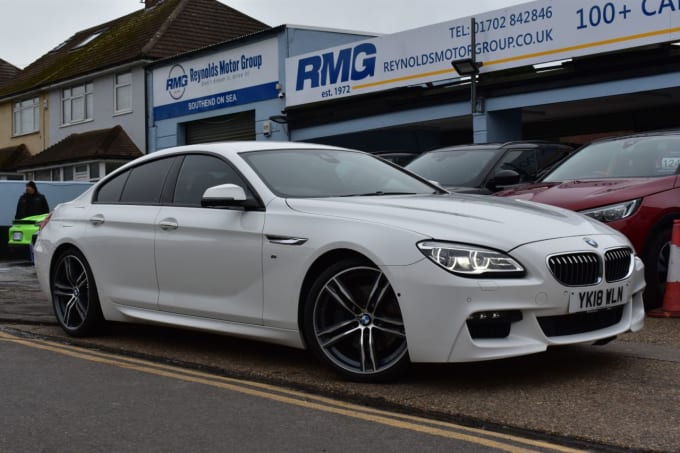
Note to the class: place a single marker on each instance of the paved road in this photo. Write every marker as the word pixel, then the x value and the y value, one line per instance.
pixel 100 402
pixel 625 394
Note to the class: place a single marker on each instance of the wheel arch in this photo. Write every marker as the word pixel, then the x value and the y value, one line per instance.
pixel 57 253
pixel 321 263
pixel 664 222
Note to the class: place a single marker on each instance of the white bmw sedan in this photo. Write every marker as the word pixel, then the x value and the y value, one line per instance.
pixel 335 250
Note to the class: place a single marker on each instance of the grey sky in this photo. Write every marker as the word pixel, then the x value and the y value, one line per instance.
pixel 30 28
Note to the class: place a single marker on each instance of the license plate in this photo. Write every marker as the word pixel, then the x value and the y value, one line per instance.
pixel 596 299
pixel 17 236
pixel 670 163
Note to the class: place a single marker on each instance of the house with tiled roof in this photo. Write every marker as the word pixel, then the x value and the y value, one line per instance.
pixel 95 83
pixel 8 72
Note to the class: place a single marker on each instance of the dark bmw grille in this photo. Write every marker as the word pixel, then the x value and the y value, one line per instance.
pixel 556 326
pixel 618 264
pixel 576 269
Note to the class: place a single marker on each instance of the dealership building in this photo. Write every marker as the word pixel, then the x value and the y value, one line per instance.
pixel 548 70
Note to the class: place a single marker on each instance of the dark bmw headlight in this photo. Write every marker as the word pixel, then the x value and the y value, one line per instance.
pixel 471 261
pixel 613 212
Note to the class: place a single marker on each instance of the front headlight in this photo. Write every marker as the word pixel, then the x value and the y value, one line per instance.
pixel 613 212
pixel 471 261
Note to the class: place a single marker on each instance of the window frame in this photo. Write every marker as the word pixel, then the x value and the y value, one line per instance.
pixel 117 86
pixel 18 108
pixel 87 97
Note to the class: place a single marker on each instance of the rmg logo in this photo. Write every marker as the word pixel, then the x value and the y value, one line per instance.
pixel 176 82
pixel 350 64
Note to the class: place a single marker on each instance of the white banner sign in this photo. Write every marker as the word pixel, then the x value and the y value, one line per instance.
pixel 219 80
pixel 525 34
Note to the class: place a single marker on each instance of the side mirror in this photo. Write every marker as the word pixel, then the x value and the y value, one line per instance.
pixel 506 178
pixel 226 196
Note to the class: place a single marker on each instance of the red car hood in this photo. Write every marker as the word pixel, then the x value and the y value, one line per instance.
pixel 584 194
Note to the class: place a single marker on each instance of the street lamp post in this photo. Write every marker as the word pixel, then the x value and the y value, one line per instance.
pixel 470 67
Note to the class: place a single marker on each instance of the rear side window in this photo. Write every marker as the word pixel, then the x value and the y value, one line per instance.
pixel 199 172
pixel 111 190
pixel 140 185
pixel 145 183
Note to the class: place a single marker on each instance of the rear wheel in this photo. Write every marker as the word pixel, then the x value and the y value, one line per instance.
pixel 656 260
pixel 74 295
pixel 353 323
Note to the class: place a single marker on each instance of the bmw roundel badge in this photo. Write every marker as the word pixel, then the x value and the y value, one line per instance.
pixel 591 242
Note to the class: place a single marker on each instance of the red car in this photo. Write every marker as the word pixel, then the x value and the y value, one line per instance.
pixel 632 183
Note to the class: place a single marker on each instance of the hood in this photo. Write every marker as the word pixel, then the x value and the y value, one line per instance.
pixel 484 220
pixel 584 194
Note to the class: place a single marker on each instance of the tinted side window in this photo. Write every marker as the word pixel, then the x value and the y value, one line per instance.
pixel 199 172
pixel 146 182
pixel 111 190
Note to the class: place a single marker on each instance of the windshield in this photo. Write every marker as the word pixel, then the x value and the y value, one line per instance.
pixel 331 173
pixel 461 168
pixel 635 157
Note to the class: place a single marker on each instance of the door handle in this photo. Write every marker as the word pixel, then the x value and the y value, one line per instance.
pixel 97 219
pixel 168 224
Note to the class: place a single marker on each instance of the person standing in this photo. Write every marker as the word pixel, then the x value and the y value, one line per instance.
pixel 31 202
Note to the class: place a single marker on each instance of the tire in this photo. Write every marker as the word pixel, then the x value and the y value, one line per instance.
pixel 353 323
pixel 74 295
pixel 656 259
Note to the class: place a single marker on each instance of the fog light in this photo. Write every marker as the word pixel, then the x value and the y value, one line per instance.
pixel 492 324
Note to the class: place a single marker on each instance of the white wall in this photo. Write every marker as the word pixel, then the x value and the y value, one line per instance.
pixel 103 116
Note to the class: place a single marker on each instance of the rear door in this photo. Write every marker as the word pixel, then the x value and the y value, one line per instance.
pixel 119 234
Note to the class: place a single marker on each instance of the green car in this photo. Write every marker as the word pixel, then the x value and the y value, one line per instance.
pixel 23 232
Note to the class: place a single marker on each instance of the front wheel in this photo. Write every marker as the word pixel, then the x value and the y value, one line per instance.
pixel 353 323
pixel 74 295
pixel 656 260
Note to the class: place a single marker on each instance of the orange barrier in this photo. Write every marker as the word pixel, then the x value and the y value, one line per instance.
pixel 671 297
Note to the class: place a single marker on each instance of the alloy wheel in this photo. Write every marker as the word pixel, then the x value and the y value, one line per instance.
pixel 358 324
pixel 71 292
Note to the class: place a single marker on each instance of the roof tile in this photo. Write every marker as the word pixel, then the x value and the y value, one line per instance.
pixel 169 28
pixel 7 72
pixel 100 144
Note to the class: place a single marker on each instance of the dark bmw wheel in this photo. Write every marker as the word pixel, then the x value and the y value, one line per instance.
pixel 353 322
pixel 74 295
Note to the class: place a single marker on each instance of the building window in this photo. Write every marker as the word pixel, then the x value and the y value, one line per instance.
pixel 81 172
pixel 68 173
pixel 94 171
pixel 77 104
pixel 56 174
pixel 26 116
pixel 122 92
pixel 89 39
pixel 43 175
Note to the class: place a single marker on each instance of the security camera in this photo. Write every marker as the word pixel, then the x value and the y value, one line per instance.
pixel 282 95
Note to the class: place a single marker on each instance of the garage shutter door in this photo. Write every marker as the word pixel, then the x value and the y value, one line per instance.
pixel 239 126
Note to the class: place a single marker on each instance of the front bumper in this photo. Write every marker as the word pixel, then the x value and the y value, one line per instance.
pixel 436 306
pixel 22 235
